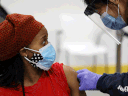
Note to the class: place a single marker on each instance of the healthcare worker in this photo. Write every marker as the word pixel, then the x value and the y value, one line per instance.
pixel 114 15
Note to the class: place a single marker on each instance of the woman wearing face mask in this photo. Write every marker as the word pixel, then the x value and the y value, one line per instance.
pixel 114 14
pixel 27 65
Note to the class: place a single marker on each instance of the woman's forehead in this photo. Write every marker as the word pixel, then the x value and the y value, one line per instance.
pixel 43 31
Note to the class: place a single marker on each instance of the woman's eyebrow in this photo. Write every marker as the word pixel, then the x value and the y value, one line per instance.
pixel 44 36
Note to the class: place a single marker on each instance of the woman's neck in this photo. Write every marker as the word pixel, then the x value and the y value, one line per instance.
pixel 31 74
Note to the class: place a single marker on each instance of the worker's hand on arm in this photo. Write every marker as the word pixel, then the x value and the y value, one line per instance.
pixel 88 80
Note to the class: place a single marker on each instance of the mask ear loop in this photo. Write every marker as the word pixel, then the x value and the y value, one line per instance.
pixel 107 7
pixel 31 49
pixel 30 60
pixel 38 65
pixel 118 10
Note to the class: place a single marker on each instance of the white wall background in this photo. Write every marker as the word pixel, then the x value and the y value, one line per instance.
pixel 50 13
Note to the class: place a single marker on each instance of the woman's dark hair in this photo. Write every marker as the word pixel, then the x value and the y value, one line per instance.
pixel 12 73
pixel 93 2
pixel 88 2
pixel 92 5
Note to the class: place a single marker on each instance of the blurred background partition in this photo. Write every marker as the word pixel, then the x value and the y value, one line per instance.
pixel 82 50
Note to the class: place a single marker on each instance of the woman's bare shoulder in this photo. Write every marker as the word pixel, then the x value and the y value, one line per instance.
pixel 72 81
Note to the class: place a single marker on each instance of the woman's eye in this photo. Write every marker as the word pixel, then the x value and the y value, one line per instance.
pixel 43 42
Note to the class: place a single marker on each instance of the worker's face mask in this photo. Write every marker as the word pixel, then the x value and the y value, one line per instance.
pixel 107 23
pixel 45 59
pixel 111 22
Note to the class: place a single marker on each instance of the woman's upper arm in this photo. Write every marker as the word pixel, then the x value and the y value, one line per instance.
pixel 72 81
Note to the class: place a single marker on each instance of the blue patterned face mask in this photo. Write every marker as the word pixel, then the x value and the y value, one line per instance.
pixel 111 22
pixel 45 59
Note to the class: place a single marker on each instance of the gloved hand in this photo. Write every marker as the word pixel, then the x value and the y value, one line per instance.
pixel 88 80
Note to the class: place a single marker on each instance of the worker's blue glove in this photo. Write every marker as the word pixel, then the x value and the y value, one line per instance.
pixel 88 80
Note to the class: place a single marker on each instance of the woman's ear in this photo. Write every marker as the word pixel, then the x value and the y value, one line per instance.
pixel 23 52
pixel 115 1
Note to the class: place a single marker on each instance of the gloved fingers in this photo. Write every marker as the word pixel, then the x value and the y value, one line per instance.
pixel 86 84
pixel 82 88
pixel 83 81
pixel 79 71
pixel 81 75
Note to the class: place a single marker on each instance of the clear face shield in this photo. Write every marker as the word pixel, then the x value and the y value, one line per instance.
pixel 93 15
